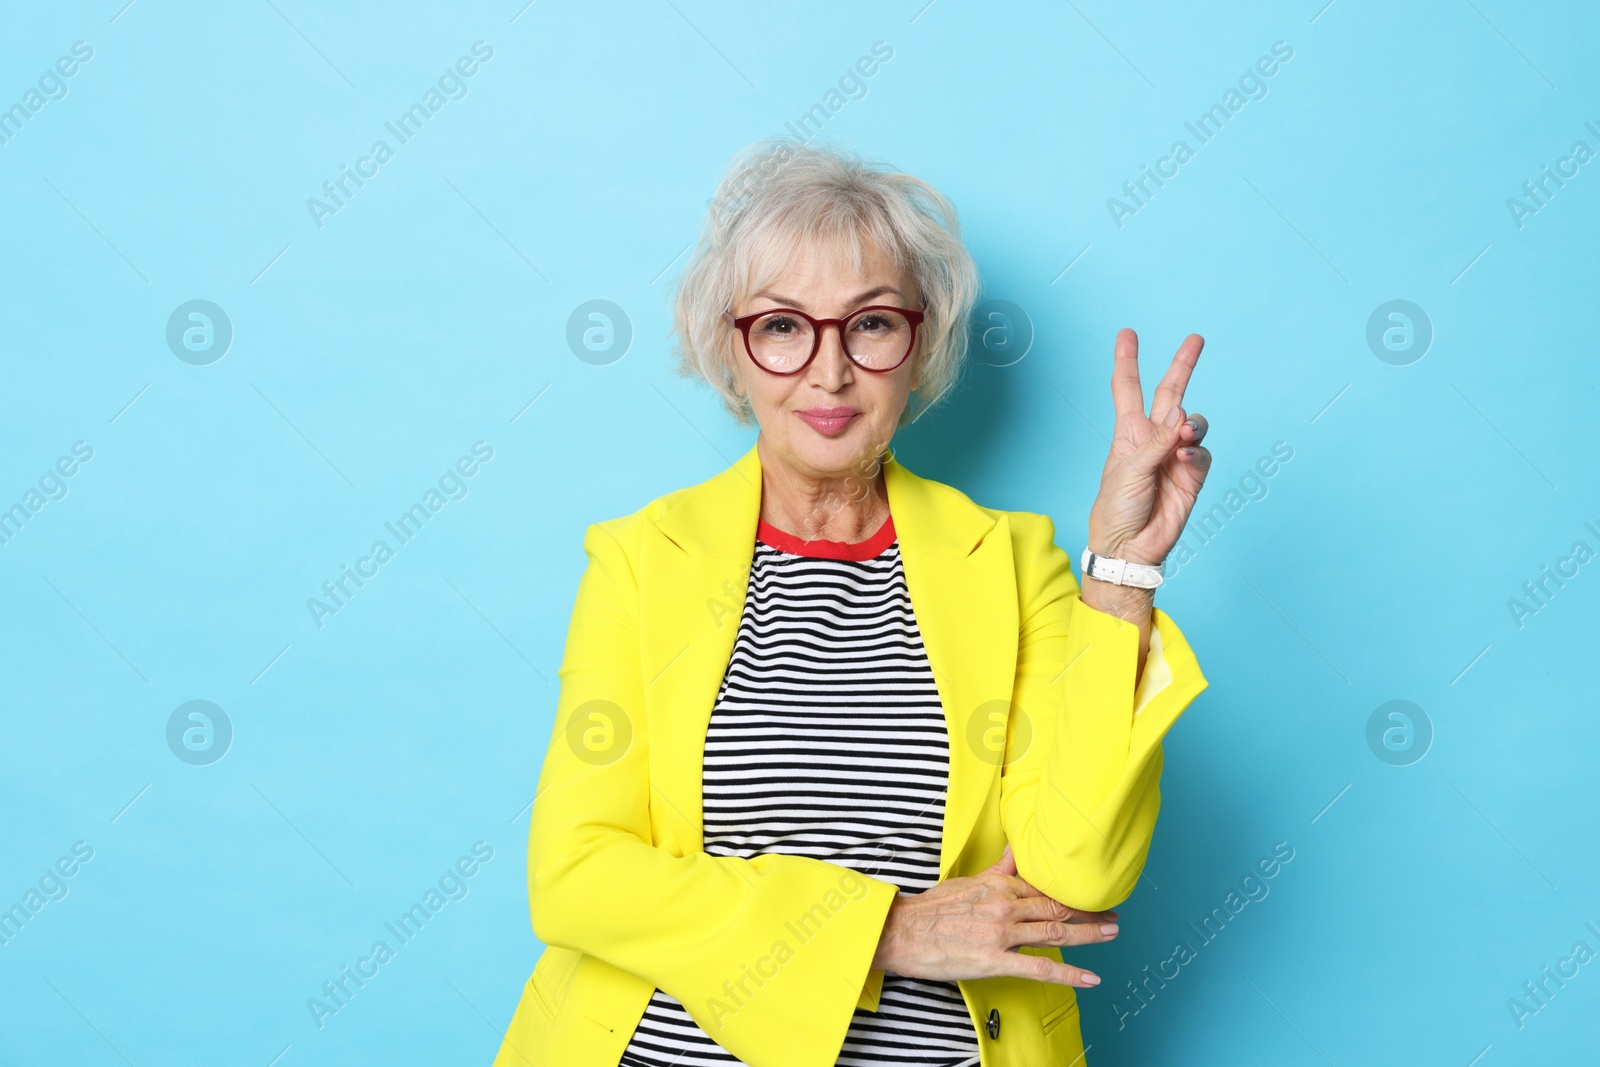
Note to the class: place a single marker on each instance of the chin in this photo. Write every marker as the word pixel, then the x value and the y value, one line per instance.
pixel 838 453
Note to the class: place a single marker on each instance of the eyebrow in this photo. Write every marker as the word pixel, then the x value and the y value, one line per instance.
pixel 858 299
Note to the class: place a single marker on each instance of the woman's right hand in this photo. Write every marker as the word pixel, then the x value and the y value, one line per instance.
pixel 971 927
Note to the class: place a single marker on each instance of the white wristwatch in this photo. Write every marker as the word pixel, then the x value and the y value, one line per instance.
pixel 1121 571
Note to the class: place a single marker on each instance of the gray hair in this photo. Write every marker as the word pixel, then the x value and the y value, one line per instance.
pixel 780 192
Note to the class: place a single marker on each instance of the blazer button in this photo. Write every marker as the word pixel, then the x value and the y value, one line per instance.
pixel 994 1023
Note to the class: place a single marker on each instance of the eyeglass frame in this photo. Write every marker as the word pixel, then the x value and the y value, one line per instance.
pixel 744 322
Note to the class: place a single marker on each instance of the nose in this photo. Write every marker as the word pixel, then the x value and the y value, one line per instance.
pixel 832 369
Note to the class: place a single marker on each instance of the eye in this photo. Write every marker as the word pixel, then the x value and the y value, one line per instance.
pixel 778 325
pixel 873 323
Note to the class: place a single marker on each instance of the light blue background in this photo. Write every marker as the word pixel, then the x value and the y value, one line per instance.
pixel 431 310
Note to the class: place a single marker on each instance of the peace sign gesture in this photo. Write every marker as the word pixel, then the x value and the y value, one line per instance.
pixel 1156 465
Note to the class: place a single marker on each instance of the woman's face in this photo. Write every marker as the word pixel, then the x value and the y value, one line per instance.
pixel 791 409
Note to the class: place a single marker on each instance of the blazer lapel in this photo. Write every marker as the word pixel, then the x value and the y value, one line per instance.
pixel 964 594
pixel 695 568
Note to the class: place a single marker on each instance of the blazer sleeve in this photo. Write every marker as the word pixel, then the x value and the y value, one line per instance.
pixel 1080 789
pixel 770 956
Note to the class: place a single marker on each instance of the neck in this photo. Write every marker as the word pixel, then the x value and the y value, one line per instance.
pixel 849 505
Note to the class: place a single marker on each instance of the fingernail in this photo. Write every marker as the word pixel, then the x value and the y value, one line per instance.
pixel 1091 979
pixel 1193 425
pixel 1109 929
pixel 1172 416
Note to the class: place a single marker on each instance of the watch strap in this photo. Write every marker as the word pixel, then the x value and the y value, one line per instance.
pixel 1121 571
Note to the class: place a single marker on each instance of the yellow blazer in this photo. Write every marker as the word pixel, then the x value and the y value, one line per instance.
pixel 771 955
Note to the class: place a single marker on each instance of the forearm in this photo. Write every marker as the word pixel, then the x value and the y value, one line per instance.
pixel 1080 802
pixel 1126 602
pixel 773 948
pixel 663 917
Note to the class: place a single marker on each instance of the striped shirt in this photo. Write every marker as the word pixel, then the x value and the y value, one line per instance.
pixel 828 740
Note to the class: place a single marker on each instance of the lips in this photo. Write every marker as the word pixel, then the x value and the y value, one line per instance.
pixel 830 422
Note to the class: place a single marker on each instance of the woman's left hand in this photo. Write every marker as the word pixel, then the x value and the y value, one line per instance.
pixel 1157 464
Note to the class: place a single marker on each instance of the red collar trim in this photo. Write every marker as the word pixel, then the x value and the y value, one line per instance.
pixel 783 541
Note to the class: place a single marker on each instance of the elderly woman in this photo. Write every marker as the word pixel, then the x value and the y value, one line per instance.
pixel 842 758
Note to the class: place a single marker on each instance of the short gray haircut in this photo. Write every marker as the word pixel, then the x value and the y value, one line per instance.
pixel 778 194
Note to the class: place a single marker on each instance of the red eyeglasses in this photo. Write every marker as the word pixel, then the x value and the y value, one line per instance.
pixel 877 338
